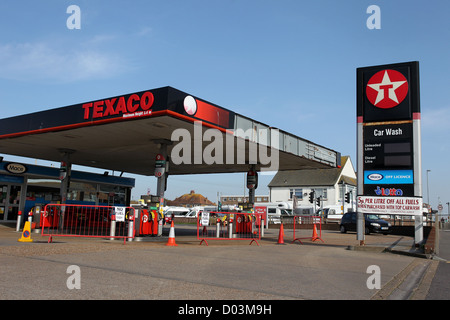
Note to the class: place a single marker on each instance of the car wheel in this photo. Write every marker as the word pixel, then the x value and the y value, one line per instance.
pixel 343 229
pixel 367 230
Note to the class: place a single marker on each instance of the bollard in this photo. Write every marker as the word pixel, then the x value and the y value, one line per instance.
pixel 130 229
pixel 230 230
pixel 19 220
pixel 112 232
pixel 160 227
pixel 253 225
pixel 218 228
pixel 30 216
pixel 261 227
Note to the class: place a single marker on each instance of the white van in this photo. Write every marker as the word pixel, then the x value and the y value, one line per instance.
pixel 297 211
pixel 331 212
pixel 304 211
pixel 176 211
pixel 275 210
pixel 194 211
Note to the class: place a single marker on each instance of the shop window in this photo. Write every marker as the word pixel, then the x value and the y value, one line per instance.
pixel 43 190
pixel 112 195
pixel 82 191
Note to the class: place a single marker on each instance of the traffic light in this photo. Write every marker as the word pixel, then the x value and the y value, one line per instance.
pixel 311 196
pixel 318 201
pixel 347 197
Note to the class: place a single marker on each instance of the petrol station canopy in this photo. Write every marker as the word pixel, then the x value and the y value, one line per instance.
pixel 124 133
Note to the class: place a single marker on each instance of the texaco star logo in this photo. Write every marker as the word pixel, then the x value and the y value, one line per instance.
pixel 387 89
pixel 190 105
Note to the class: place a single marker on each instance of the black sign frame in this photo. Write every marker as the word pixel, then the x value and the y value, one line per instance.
pixel 405 110
pixel 386 138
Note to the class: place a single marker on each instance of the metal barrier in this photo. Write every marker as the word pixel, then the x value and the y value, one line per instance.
pixel 229 226
pixel 308 223
pixel 71 220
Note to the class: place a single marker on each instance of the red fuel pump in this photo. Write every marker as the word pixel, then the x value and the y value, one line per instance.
pixel 148 223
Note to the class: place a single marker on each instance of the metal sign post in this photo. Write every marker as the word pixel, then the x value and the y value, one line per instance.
pixel 389 143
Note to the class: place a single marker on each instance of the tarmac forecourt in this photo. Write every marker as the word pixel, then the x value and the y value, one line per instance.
pixel 234 270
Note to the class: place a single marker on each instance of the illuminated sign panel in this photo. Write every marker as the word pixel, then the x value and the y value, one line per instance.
pixel 388 121
pixel 388 177
pixel 388 146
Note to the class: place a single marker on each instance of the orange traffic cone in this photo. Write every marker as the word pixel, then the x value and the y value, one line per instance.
pixel 171 241
pixel 314 236
pixel 281 235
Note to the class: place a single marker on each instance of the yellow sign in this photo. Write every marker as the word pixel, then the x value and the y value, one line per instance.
pixel 26 233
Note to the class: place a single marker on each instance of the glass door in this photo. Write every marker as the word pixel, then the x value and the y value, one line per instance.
pixel 9 201
pixel 14 202
pixel 3 200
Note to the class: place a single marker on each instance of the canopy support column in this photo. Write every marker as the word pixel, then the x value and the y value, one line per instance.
pixel 65 171
pixel 162 173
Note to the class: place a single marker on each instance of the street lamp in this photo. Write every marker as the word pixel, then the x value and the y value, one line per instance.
pixel 428 190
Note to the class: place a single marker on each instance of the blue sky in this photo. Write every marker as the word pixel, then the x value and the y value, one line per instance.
pixel 289 64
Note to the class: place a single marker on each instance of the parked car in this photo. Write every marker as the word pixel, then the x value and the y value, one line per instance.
pixel 373 223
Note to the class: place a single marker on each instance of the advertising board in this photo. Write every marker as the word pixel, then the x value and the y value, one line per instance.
pixel 389 155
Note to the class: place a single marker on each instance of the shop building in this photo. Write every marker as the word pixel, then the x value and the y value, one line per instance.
pixel 24 186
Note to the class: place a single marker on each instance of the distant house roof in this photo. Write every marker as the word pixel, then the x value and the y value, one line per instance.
pixel 312 177
pixel 190 199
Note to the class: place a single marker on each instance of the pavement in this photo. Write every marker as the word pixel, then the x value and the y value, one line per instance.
pixel 335 269
pixel 440 285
